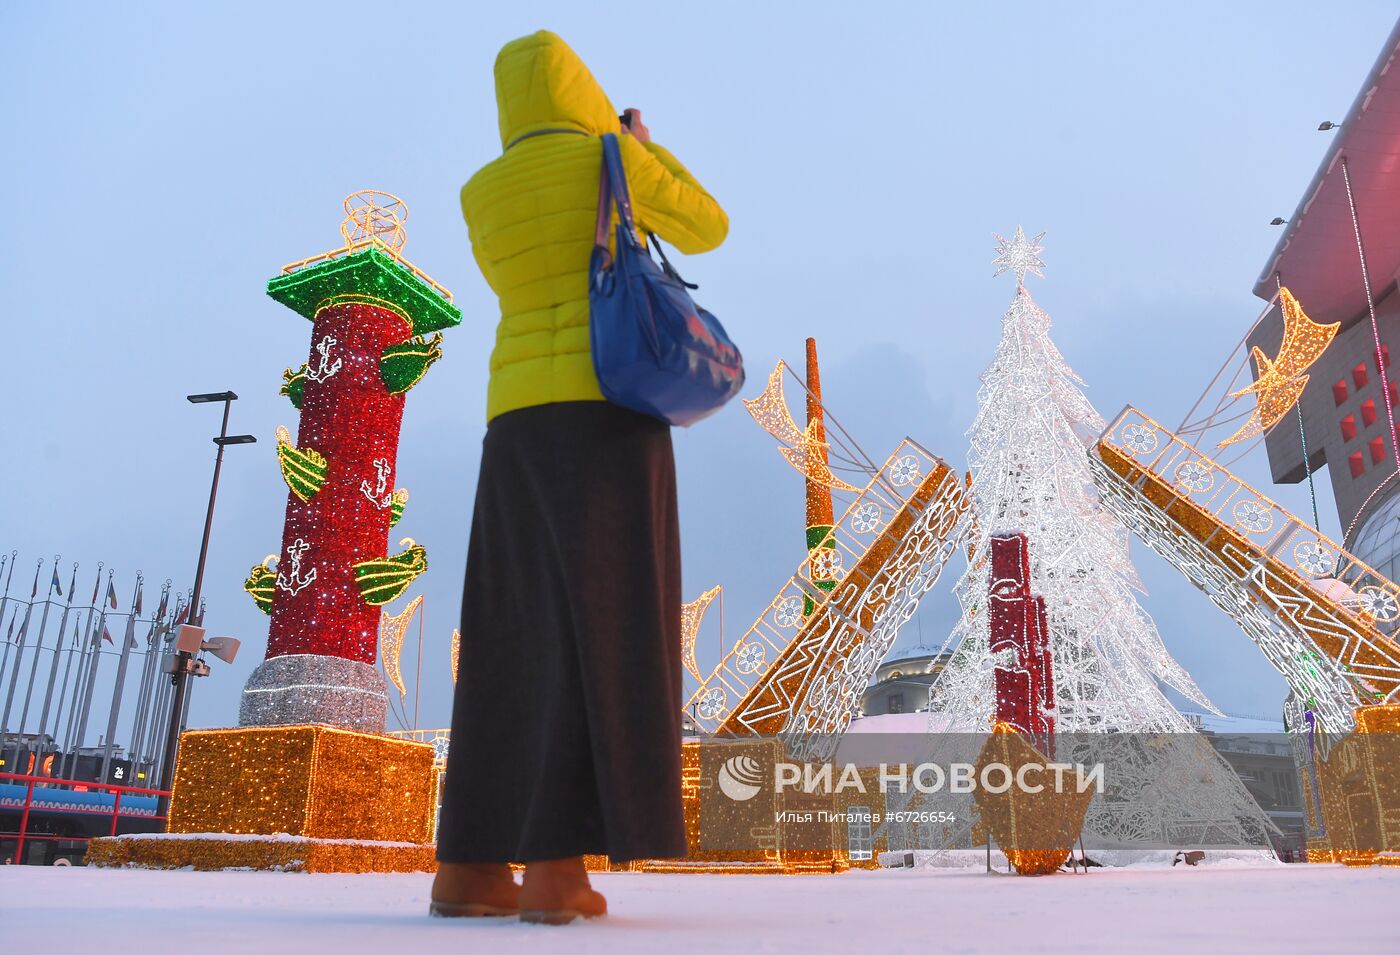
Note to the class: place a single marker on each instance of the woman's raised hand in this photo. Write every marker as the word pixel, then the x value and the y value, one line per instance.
pixel 634 125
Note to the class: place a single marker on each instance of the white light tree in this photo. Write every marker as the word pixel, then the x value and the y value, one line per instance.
pixel 1030 473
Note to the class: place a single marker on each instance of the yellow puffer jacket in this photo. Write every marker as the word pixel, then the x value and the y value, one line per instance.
pixel 531 216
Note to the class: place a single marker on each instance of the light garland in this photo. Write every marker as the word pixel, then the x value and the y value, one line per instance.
pixel 691 615
pixel 392 628
pixel 456 652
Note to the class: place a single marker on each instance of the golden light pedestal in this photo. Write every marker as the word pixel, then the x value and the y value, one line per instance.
pixel 326 800
pixel 1036 830
pixel 1360 789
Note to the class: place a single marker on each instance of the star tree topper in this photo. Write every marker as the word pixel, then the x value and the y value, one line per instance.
pixel 1019 255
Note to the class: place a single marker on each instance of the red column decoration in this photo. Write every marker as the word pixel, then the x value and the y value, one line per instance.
pixel 1020 636
pixel 352 421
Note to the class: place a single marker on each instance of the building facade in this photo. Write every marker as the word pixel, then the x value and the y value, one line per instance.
pixel 1345 407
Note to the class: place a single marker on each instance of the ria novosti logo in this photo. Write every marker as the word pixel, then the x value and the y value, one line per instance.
pixel 740 778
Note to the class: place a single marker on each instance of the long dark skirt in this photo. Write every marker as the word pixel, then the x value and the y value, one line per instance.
pixel 566 723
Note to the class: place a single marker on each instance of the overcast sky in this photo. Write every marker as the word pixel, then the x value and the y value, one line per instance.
pixel 163 162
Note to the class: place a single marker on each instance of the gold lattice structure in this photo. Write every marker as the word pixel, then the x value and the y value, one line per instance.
pixel 373 220
pixel 1322 617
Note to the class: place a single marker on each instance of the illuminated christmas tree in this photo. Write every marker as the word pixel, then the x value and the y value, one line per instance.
pixel 1030 477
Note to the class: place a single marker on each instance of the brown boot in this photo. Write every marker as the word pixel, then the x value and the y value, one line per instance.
pixel 468 890
pixel 556 891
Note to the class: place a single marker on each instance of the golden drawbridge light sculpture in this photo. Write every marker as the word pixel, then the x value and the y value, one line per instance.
pixel 1320 615
pixel 1279 382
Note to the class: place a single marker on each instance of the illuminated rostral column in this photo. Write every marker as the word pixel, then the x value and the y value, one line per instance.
pixel 370 312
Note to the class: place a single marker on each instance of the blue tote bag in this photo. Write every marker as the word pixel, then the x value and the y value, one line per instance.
pixel 654 350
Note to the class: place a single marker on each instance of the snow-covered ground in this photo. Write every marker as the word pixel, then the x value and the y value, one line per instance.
pixel 1301 908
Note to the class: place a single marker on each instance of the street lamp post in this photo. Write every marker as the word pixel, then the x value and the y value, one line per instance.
pixel 183 663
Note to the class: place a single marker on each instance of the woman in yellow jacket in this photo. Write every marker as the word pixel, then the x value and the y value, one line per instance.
pixel 566 723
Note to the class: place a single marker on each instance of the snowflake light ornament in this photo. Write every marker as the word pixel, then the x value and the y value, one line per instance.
pixel 750 658
pixel 711 704
pixel 1253 516
pixel 866 518
pixel 1140 439
pixel 1312 558
pixel 826 564
pixel 904 471
pixel 1019 255
pixel 1195 476
pixel 1379 604
pixel 788 612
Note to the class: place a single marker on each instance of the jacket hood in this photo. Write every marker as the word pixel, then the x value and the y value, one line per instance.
pixel 542 84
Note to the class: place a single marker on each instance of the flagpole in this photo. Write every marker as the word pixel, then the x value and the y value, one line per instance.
pixel 127 640
pixel 93 667
pixel 39 648
pixel 79 681
pixel 19 660
pixel 143 696
pixel 53 670
pixel 150 724
pixel 5 658
pixel 63 698
pixel 162 707
pixel 6 560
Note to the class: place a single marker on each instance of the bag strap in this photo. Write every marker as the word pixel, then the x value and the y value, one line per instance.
pixel 543 132
pixel 612 188
pixel 666 263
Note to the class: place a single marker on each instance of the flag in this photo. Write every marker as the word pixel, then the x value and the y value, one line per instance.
pixel 136 609
pixel 96 584
pixel 77 633
pixel 111 593
pixel 105 635
pixel 151 634
pixel 73 583
pixel 34 591
pixel 53 583
pixel 164 603
pixel 183 614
